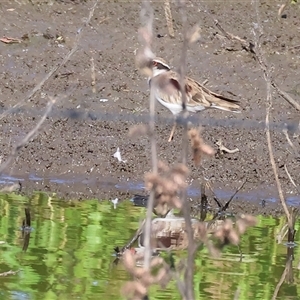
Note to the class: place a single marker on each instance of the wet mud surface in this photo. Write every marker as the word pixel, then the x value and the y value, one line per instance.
pixel 73 153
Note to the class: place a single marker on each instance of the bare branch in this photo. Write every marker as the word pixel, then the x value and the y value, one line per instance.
pixel 291 179
pixel 169 18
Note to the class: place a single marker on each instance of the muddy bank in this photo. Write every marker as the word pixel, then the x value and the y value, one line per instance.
pixel 73 154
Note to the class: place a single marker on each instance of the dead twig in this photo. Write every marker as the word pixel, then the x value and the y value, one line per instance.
pixel 286 96
pixel 134 238
pixel 291 179
pixel 279 284
pixel 169 18
pixel 282 7
pixel 222 148
pixel 285 132
pixel 93 75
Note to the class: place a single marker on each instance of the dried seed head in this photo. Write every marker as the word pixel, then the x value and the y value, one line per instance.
pixel 244 222
pixel 162 167
pixel 134 290
pixel 181 169
pixel 129 261
pixel 198 146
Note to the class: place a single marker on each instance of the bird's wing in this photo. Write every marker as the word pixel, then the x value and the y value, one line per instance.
pixel 167 88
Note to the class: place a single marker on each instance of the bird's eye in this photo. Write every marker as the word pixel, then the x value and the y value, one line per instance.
pixel 155 63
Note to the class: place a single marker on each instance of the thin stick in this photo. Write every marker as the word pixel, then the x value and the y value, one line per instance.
pixel 285 132
pixel 189 272
pixel 56 68
pixel 29 136
pixel 279 284
pixel 146 9
pixel 267 75
pixel 290 178
pixel 169 18
pixel 135 237
pixel 93 75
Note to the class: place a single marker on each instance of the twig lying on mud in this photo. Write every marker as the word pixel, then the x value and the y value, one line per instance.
pixel 282 7
pixel 285 95
pixel 267 75
pixel 246 45
pixel 169 18
pixel 222 148
pixel 93 75
pixel 285 132
pixel 56 68
pixel 29 136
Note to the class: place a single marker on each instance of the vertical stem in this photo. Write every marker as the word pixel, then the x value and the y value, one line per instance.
pixel 147 15
pixel 189 272
pixel 150 205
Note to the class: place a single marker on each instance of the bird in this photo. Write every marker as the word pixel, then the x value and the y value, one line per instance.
pixel 165 85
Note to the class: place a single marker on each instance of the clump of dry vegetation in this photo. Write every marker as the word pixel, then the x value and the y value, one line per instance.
pixel 167 187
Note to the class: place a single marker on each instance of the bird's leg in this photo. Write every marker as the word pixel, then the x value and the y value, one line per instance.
pixel 172 131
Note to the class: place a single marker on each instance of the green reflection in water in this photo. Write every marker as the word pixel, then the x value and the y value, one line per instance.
pixel 70 254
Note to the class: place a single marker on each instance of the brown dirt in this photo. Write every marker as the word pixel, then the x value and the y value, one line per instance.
pixel 73 154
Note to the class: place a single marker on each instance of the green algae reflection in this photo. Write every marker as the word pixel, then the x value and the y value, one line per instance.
pixel 70 254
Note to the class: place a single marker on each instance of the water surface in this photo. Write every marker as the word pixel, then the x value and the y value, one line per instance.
pixel 70 254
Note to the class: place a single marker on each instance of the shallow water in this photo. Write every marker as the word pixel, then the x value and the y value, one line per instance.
pixel 266 194
pixel 70 254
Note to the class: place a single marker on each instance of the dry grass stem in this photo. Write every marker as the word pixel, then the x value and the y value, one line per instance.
pixel 169 18
pixel 93 75
pixel 282 7
pixel 285 132
pixel 291 179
